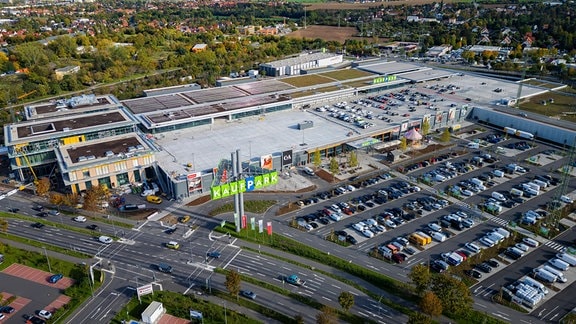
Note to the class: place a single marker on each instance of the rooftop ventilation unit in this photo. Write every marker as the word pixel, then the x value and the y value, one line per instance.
pixel 131 149
pixel 82 159
pixel 109 154
pixel 91 157
pixel 140 146
pixel 66 129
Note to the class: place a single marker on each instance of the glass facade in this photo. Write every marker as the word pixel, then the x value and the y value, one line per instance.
pixel 170 128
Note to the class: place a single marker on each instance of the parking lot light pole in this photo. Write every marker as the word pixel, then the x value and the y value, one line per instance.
pixel 47 259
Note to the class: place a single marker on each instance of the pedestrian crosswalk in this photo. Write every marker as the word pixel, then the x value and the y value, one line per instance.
pixel 555 246
pixel 498 221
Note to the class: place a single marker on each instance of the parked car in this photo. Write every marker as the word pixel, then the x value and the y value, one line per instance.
pixel 484 267
pixel 473 273
pixel 55 278
pixel 214 254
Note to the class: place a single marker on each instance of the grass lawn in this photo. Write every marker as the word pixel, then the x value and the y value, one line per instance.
pixel 541 83
pixel 562 103
pixel 346 74
pixel 306 80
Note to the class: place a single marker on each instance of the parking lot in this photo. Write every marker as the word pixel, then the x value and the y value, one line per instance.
pixel 28 291
pixel 443 198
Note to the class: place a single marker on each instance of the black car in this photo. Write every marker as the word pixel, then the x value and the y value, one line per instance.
pixel 34 319
pixel 484 267
pixel 409 250
pixel 350 239
pixel 493 263
pixel 170 230
pixel 163 267
pixel 324 221
pixel 13 210
pixel 38 208
pixel 37 225
pixel 92 227
pixel 42 214
pixel 473 274
pixel 7 309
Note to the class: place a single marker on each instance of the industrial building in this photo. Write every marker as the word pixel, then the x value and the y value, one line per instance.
pixel 300 64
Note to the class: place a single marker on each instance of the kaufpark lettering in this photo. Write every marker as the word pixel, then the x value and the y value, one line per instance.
pixel 382 79
pixel 244 185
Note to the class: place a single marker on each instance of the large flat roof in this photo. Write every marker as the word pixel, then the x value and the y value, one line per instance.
pixel 70 106
pixel 392 67
pixel 426 75
pixel 63 126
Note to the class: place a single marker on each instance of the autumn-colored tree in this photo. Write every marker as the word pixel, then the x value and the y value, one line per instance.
pixel 403 144
pixel 3 226
pixel 431 304
pixel 233 282
pixel 326 316
pixel 346 300
pixel 94 196
pixel 42 186
pixel 334 167
pixel 353 160
pixel 317 159
pixel 445 137
pixel 420 276
pixel 425 128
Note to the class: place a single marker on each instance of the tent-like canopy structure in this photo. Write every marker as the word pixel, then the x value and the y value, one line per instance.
pixel 413 135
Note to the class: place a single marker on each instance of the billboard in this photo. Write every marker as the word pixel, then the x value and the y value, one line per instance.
pixel 194 182
pixel 266 162
pixel 451 114
pixel 404 125
pixel 287 158
pixel 244 185
pixel 144 290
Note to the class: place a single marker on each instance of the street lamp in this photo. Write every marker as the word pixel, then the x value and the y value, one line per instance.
pixel 47 259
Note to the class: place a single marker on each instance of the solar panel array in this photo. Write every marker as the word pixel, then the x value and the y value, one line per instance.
pixel 260 87
pixel 183 114
pixel 149 104
pixel 214 94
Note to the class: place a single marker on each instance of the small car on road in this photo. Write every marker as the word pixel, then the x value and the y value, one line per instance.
pixel 248 294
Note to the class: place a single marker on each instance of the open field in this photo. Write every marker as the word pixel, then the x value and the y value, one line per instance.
pixel 542 84
pixel 347 74
pixel 306 80
pixel 562 107
pixel 327 33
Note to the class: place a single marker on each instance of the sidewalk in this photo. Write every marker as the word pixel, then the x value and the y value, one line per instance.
pixel 50 253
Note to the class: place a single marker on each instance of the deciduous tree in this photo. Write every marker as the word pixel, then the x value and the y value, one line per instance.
pixel 317 159
pixel 42 186
pixel 453 293
pixel 425 126
pixel 233 282
pixel 353 160
pixel 326 316
pixel 403 144
pixel 445 137
pixel 334 167
pixel 431 304
pixel 420 276
pixel 346 300
pixel 419 318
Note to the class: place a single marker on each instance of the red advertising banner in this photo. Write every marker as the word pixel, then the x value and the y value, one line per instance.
pixel 244 220
pixel 269 228
pixel 194 182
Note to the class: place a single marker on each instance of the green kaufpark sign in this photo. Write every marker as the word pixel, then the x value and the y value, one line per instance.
pixel 383 79
pixel 243 185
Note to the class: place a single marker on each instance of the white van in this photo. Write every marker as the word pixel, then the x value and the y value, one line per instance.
pixel 477 181
pixel 498 196
pixel 440 237
pixel 498 173
pixel 559 275
pixel 542 184
pixel 495 237
pixel 545 276
pixel 473 145
pixel 559 264
pixel 567 258
pixel 502 232
pixel 533 186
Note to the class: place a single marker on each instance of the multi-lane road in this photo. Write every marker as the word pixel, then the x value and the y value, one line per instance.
pixel 131 263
